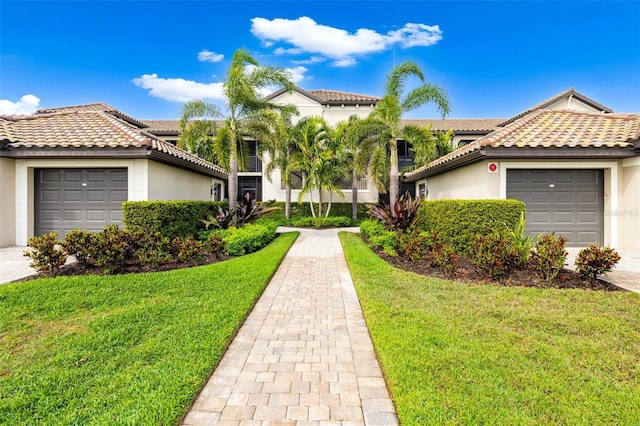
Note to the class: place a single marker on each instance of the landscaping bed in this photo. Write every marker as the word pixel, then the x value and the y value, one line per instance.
pixel 523 277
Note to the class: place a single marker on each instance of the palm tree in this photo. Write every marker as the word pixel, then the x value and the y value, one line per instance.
pixel 348 153
pixel 316 143
pixel 244 105
pixel 278 141
pixel 380 132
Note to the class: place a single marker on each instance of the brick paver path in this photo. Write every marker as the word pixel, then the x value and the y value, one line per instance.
pixel 304 355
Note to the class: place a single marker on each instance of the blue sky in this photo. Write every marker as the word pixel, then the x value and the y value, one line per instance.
pixel 146 58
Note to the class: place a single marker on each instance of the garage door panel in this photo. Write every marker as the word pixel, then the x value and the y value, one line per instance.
pixel 119 196
pixel 569 202
pixel 539 198
pixel 563 218
pixel 88 199
pixel 563 197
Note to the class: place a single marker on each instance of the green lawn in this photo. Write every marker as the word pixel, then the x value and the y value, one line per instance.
pixel 480 354
pixel 128 349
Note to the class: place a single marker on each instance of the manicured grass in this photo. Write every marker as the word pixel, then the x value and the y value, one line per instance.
pixel 479 354
pixel 128 349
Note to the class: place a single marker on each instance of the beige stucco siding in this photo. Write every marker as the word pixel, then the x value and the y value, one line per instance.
pixel 469 182
pixel 7 201
pixel 172 183
pixel 629 214
pixel 332 114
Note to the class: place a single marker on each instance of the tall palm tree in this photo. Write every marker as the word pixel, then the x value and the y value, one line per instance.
pixel 380 132
pixel 277 140
pixel 316 158
pixel 244 105
pixel 348 153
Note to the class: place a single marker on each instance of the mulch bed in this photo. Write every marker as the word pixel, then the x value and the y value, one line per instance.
pixel 526 277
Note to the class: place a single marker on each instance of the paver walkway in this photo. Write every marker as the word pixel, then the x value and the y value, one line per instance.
pixel 304 355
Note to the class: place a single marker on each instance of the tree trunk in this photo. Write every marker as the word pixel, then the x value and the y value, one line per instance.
pixel 319 201
pixel 354 196
pixel 313 209
pixel 394 178
pixel 287 201
pixel 329 206
pixel 233 182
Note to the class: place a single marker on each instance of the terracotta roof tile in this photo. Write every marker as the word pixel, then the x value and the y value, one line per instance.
pixel 476 125
pixel 7 132
pixel 97 107
pixel 92 129
pixel 161 126
pixel 559 129
pixel 336 96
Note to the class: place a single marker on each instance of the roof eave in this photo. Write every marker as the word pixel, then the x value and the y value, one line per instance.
pixel 464 160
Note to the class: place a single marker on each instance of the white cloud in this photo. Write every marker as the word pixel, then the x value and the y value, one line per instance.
pixel 312 60
pixel 207 56
pixel 178 89
pixel 306 35
pixel 297 73
pixel 27 105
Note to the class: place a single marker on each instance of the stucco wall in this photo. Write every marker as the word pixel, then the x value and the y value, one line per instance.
pixel 7 202
pixel 629 214
pixel 468 182
pixel 172 183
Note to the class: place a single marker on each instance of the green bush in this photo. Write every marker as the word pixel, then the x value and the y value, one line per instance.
pixel 188 250
pixel 215 244
pixel 115 247
pixel 494 255
pixel 240 241
pixel 594 260
pixel 550 255
pixel 414 245
pixel 171 218
pixel 457 222
pixel 81 245
pixel 154 250
pixel 370 228
pixel 301 210
pixel 442 254
pixel 321 222
pixel 46 253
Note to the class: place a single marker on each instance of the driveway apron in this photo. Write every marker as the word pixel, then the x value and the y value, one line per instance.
pixel 304 355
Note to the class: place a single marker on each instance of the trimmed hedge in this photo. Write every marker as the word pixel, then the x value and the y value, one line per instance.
pixel 179 218
pixel 301 210
pixel 321 222
pixel 457 222
pixel 245 240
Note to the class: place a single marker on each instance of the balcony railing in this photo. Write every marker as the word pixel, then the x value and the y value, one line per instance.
pixel 254 164
pixel 404 161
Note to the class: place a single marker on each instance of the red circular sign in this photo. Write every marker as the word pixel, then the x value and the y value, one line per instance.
pixel 493 167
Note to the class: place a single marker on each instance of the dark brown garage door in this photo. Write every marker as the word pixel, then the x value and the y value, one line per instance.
pixel 567 202
pixel 89 199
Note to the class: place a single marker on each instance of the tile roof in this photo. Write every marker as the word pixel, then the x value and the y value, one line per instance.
pixel 547 102
pixel 552 129
pixel 460 125
pixel 96 107
pixel 91 129
pixel 331 96
pixel 164 126
pixel 7 132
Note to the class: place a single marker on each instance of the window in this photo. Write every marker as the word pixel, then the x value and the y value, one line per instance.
pixel 422 190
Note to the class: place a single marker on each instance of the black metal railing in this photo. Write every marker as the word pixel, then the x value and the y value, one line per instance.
pixel 254 164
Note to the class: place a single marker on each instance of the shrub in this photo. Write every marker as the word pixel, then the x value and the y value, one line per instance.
pixel 414 245
pixel 240 241
pixel 215 244
pixel 550 255
pixel 154 250
pixel 188 250
pixel 115 247
pixel 595 260
pixel 457 222
pixel 442 254
pixel 387 241
pixel 46 253
pixel 494 255
pixel 398 217
pixel 322 222
pixel 81 245
pixel 370 228
pixel 522 243
pixel 301 210
pixel 175 218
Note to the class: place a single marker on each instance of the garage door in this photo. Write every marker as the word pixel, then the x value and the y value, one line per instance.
pixel 89 199
pixel 567 202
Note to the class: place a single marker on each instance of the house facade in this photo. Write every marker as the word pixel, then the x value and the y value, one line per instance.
pixel 69 168
pixel 574 163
